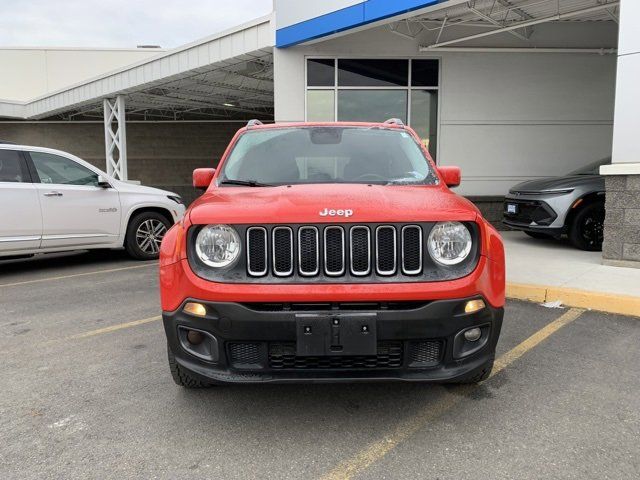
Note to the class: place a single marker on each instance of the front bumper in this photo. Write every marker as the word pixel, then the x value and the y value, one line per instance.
pixel 414 341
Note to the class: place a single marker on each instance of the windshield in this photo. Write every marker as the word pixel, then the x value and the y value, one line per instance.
pixel 285 156
pixel 592 168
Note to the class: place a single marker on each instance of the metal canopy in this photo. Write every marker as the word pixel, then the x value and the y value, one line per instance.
pixel 238 89
pixel 484 18
pixel 227 76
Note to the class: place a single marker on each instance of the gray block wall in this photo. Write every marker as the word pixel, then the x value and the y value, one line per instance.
pixel 622 221
pixel 161 154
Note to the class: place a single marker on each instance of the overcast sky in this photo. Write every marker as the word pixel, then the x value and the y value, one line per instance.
pixel 120 23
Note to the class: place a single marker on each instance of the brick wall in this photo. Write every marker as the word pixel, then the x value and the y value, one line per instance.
pixel 622 221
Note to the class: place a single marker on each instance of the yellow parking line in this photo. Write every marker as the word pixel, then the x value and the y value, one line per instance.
pixel 377 450
pixel 62 277
pixel 114 328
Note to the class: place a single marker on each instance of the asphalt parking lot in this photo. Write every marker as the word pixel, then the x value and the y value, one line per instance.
pixel 86 393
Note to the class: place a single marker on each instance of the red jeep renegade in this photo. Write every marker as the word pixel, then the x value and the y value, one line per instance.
pixel 330 252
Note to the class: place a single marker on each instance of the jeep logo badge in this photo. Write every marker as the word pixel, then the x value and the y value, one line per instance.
pixel 336 213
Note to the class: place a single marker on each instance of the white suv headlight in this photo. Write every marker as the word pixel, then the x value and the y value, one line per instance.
pixel 449 243
pixel 218 245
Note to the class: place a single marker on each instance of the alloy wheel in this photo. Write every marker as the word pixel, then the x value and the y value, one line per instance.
pixel 149 235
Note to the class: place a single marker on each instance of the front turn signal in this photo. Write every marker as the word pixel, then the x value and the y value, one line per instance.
pixel 196 309
pixel 473 306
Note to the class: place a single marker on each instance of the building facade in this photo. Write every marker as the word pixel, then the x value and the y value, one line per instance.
pixel 509 90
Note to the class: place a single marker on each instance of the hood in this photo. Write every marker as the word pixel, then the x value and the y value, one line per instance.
pixel 559 183
pixel 133 188
pixel 305 203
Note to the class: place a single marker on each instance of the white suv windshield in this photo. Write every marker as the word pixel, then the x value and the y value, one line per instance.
pixel 327 155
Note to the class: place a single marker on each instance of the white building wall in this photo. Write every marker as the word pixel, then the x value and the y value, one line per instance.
pixel 28 73
pixel 626 147
pixel 290 12
pixel 504 117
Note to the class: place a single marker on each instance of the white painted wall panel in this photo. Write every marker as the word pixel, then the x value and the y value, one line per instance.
pixel 290 12
pixel 629 40
pixel 36 72
pixel 626 145
pixel 495 157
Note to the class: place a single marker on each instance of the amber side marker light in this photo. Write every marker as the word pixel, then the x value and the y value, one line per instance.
pixel 473 306
pixel 196 309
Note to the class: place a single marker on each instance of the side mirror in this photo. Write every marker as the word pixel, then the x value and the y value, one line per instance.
pixel 450 175
pixel 202 177
pixel 103 182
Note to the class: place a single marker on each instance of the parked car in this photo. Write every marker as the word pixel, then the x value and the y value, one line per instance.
pixel 330 252
pixel 550 207
pixel 53 201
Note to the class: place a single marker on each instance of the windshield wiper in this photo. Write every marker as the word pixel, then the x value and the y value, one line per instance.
pixel 245 183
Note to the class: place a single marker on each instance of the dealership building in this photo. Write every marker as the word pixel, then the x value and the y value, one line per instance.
pixel 508 90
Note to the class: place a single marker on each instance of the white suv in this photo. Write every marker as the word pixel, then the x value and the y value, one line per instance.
pixel 52 201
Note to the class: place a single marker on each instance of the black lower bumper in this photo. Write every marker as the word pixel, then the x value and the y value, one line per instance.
pixel 404 341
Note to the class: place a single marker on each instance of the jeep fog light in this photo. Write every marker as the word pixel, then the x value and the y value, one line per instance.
pixel 218 246
pixel 449 243
pixel 473 334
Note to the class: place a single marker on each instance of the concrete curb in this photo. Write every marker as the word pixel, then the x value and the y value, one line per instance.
pixel 571 297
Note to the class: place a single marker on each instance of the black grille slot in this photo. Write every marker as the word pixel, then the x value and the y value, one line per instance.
pixel 282 356
pixel 245 355
pixel 257 251
pixel 282 251
pixel 427 353
pixel 411 250
pixel 386 250
pixel 308 251
pixel 334 251
pixel 360 250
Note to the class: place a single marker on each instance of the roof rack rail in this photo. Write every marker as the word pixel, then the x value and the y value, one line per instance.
pixel 394 121
pixel 254 123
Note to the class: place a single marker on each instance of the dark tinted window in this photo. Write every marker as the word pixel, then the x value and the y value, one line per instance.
pixel 321 73
pixel 424 73
pixel 373 73
pixel 59 170
pixel 12 167
pixel 328 155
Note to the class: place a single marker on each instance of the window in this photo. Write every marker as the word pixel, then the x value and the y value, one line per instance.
pixel 59 170
pixel 373 73
pixel 285 156
pixel 12 169
pixel 321 105
pixel 372 105
pixel 374 90
pixel 321 73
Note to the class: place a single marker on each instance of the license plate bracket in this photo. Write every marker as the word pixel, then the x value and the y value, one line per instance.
pixel 335 334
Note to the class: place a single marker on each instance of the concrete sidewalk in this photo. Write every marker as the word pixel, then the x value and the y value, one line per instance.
pixel 549 270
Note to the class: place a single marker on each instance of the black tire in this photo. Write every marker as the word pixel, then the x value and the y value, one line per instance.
pixel 144 235
pixel 586 230
pixel 539 236
pixel 476 376
pixel 181 376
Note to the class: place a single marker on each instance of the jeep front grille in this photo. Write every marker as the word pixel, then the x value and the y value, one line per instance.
pixel 335 250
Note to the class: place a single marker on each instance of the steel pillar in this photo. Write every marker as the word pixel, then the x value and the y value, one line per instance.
pixel 115 140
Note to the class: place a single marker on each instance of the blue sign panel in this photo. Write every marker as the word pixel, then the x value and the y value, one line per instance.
pixel 347 18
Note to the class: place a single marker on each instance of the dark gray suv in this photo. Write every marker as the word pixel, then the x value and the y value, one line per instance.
pixel 550 207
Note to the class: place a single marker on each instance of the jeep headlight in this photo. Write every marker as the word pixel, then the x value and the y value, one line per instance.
pixel 218 246
pixel 449 243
